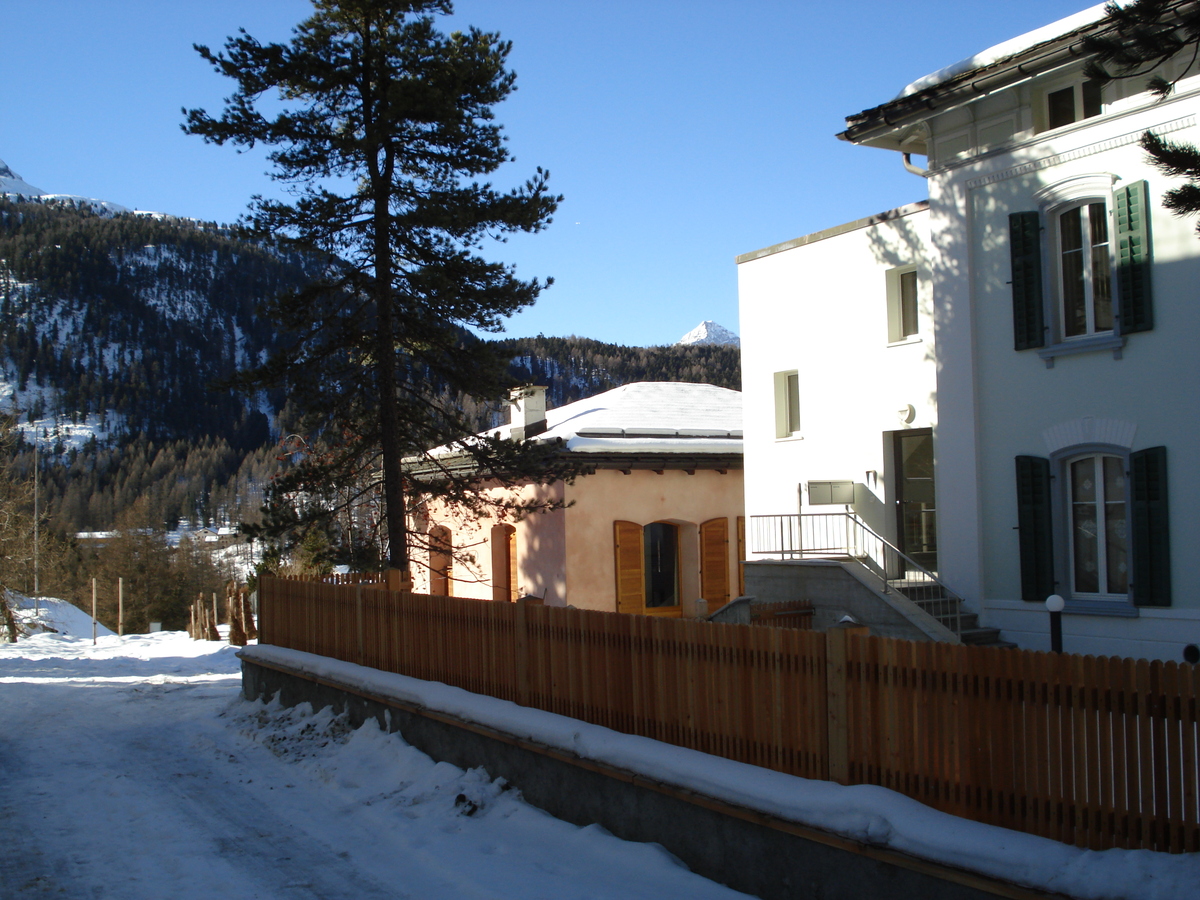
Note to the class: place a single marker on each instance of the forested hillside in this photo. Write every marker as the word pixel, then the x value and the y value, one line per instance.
pixel 114 328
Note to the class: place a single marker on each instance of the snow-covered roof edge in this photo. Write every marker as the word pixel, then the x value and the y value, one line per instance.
pixel 1006 49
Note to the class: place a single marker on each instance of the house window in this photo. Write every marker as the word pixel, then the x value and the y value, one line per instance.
pixel 1111 521
pixel 661 540
pixel 787 404
pixel 648 571
pixel 1098 287
pixel 441 560
pixel 1099 525
pixel 902 304
pixel 504 562
pixel 1073 103
pixel 1085 270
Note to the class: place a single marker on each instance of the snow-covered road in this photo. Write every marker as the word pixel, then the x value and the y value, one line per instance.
pixel 133 770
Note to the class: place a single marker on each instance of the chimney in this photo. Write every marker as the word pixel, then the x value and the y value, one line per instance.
pixel 528 416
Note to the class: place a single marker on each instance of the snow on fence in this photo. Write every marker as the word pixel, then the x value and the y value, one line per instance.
pixel 1093 751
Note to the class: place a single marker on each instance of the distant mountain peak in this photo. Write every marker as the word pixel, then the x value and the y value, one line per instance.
pixel 709 332
pixel 12 183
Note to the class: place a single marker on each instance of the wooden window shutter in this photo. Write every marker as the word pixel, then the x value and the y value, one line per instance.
pixel 1034 528
pixel 1025 247
pixel 630 562
pixel 1151 537
pixel 741 555
pixel 714 562
pixel 1136 307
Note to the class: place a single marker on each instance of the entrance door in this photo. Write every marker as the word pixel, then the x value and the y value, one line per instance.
pixel 915 505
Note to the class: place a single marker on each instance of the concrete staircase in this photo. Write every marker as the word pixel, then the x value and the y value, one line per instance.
pixel 932 598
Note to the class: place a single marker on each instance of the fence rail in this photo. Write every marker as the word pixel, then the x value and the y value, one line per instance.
pixel 1091 751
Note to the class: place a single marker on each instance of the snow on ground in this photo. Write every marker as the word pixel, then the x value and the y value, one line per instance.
pixel 871 815
pixel 132 769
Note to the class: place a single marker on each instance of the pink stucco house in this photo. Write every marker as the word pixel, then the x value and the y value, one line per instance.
pixel 653 527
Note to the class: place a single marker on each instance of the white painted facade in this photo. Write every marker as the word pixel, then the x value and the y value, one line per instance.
pixel 986 133
pixel 818 307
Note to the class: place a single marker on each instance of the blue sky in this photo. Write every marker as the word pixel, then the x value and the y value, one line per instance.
pixel 680 133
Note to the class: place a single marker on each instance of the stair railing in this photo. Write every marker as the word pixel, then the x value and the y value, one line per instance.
pixel 843 535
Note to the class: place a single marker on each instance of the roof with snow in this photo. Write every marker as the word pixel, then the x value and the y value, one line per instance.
pixel 1041 50
pixel 644 425
pixel 649 416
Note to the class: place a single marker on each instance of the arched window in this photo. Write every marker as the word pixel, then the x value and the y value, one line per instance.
pixel 661 540
pixel 441 560
pixel 504 563
pixel 1099 525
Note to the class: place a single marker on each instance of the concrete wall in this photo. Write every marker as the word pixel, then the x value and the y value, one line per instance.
pixel 745 850
pixel 834 593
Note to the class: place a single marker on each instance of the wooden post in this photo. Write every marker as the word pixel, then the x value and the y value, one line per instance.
pixel 837 704
pixel 93 611
pixel 521 652
pixel 120 607
pixel 398 580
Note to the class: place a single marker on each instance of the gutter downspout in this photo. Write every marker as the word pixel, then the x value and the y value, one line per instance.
pixel 916 170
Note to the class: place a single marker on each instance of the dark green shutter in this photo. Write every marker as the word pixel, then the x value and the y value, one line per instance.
pixel 1133 258
pixel 1035 529
pixel 1151 535
pixel 1025 247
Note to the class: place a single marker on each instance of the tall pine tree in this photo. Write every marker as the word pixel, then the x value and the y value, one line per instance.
pixel 380 126
pixel 1147 39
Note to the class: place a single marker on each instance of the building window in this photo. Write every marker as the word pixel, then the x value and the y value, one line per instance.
pixel 1098 287
pixel 1085 270
pixel 1099 525
pixel 504 562
pixel 1073 103
pixel 902 304
pixel 787 404
pixel 1111 520
pixel 661 541
pixel 441 560
pixel 648 571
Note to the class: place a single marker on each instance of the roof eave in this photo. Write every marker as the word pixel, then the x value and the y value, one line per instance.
pixel 878 126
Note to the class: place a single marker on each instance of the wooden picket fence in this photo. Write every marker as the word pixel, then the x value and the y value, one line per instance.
pixel 1090 751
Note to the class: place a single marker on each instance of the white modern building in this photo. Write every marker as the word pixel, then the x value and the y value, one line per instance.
pixel 1019 416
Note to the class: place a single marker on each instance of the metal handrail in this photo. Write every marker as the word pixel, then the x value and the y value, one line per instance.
pixel 846 535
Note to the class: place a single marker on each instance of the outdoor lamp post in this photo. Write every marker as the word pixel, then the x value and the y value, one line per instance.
pixel 1055 604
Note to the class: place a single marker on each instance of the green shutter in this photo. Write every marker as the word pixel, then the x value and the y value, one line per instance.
pixel 1035 529
pixel 1133 258
pixel 1025 247
pixel 1151 535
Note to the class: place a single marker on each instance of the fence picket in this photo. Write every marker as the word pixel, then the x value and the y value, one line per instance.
pixel 1092 751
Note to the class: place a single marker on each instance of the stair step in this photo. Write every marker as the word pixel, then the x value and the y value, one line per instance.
pixel 982 636
pixel 965 621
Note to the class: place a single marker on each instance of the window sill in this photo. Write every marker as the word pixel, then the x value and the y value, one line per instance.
pixel 1113 342
pixel 904 342
pixel 1118 608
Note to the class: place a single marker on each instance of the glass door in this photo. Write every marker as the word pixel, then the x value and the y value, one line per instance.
pixel 916 508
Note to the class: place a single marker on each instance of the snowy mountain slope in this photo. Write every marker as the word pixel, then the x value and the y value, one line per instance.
pixel 709 332
pixel 16 187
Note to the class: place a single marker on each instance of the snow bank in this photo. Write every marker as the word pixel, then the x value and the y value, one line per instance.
pixel 871 815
